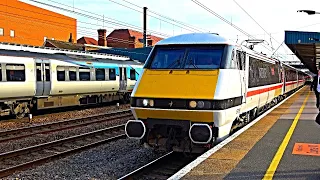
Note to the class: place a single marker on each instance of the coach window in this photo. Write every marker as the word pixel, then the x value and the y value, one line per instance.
pixel 38 66
pixel 112 74
pixel 84 74
pixel 61 73
pixel 72 73
pixel 132 74
pixel 100 74
pixel 0 73
pixel 15 72
pixel 47 70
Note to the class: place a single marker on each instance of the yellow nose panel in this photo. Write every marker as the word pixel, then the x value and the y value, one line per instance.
pixel 193 116
pixel 192 84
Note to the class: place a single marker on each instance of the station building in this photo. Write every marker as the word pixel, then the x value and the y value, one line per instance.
pixel 22 23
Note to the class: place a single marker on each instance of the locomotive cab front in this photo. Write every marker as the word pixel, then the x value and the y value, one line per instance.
pixel 178 102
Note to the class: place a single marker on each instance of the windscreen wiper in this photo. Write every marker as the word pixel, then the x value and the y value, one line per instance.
pixel 190 62
pixel 174 62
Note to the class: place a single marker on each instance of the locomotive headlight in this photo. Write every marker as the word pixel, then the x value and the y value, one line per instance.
pixel 193 104
pixel 200 104
pixel 145 102
pixel 151 103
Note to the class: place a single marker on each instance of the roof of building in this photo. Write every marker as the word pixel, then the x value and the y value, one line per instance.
pixel 138 35
pixel 88 40
pixel 63 45
pixel 305 45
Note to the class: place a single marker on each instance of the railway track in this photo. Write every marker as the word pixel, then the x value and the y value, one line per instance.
pixel 61 125
pixel 21 159
pixel 161 168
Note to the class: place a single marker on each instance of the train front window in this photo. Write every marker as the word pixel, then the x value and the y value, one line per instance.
pixel 187 57
pixel 168 58
pixel 203 58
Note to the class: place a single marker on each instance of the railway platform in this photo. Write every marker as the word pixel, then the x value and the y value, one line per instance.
pixel 285 144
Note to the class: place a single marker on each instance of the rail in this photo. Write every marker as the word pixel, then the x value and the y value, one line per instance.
pixel 61 125
pixel 24 158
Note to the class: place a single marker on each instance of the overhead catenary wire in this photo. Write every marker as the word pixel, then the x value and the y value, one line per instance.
pixel 188 28
pixel 226 21
pixel 257 24
pixel 137 27
pixel 23 20
pixel 109 20
pixel 197 29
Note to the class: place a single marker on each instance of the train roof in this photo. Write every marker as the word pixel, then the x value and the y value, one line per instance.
pixel 66 57
pixel 195 38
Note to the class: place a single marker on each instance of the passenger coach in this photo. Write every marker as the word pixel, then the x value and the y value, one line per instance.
pixel 37 78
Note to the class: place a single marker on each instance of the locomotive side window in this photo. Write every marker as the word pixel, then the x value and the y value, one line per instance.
pixel 132 74
pixel 61 73
pixel 100 74
pixel 84 74
pixel 112 74
pixel 241 59
pixel 15 72
pixel 72 74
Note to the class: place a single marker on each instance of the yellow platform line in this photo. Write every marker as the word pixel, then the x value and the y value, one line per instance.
pixel 277 158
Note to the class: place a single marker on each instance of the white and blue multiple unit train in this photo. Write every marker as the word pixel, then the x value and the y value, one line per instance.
pixel 44 78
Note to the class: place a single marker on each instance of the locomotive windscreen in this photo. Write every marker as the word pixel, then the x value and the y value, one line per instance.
pixel 186 57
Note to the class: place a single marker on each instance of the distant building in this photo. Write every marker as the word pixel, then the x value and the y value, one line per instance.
pixel 87 40
pixel 22 23
pixel 63 45
pixel 83 43
pixel 127 38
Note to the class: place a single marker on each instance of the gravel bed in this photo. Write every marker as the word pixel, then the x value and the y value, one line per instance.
pixel 42 138
pixel 109 161
pixel 47 118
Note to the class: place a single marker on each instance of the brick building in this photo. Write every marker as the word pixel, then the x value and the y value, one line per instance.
pixel 23 23
pixel 87 40
pixel 127 38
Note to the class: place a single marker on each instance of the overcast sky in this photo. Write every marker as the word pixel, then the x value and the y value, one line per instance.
pixel 275 16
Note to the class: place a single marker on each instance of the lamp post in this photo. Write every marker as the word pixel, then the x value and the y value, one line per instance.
pixel 309 12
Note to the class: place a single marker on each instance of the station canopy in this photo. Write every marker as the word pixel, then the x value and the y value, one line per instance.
pixel 306 46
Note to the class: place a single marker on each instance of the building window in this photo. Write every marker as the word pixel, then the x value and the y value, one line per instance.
pixel 15 72
pixel 1 32
pixel 12 33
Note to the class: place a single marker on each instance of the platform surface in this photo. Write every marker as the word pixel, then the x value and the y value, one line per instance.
pixel 283 145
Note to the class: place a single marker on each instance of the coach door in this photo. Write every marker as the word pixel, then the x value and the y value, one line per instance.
pixel 123 78
pixel 43 77
pixel 241 61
